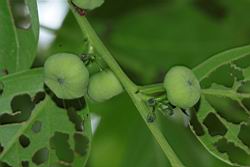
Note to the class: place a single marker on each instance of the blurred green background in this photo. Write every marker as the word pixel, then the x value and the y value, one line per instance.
pixel 147 38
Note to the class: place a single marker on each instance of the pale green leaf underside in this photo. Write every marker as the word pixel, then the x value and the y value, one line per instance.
pixel 17 45
pixel 222 119
pixel 57 133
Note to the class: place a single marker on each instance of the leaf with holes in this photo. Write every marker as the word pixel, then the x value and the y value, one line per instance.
pixel 36 128
pixel 19 35
pixel 221 120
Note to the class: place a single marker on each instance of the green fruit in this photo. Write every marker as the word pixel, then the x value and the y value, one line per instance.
pixel 88 4
pixel 103 86
pixel 66 76
pixel 182 86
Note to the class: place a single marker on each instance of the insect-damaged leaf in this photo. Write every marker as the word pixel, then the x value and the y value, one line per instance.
pixel 19 35
pixel 222 121
pixel 36 128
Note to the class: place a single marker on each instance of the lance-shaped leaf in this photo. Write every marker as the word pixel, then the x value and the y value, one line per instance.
pixel 221 120
pixel 19 29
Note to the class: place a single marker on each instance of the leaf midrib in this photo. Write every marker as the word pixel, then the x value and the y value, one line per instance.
pixel 16 36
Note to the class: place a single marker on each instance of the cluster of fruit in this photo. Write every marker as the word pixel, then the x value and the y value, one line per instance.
pixel 68 77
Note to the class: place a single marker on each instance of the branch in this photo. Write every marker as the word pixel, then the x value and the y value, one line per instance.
pixel 128 85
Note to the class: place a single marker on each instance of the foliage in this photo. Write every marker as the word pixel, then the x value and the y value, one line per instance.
pixel 18 38
pixel 146 38
pixel 36 128
pixel 221 121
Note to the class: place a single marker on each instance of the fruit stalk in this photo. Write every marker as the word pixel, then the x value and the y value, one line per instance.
pixel 129 86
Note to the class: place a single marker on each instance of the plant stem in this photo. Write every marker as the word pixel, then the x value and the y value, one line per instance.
pixel 152 89
pixel 128 85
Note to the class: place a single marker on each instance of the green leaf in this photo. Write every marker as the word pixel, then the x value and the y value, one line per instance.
pixel 221 120
pixel 36 128
pixel 88 4
pixel 19 35
pixel 123 132
pixel 11 88
pixel 173 33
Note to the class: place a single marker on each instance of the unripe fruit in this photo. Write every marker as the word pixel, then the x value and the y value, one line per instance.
pixel 182 86
pixel 66 75
pixel 103 86
pixel 88 4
